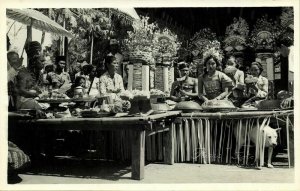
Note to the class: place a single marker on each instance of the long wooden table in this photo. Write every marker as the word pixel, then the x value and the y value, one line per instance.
pixel 137 125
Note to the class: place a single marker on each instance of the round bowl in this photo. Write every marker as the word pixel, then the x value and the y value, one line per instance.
pixel 188 106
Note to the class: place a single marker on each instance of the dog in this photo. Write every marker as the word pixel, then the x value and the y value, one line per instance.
pixel 265 133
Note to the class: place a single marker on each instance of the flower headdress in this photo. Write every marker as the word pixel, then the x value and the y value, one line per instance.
pixel 140 39
pixel 213 49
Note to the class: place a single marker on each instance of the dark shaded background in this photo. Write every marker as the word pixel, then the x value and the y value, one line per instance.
pixel 193 19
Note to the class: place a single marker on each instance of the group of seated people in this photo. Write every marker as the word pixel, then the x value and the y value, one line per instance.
pixel 25 87
pixel 214 84
pixel 217 85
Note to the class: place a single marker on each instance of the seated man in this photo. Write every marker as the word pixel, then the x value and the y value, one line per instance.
pixel 60 76
pixel 185 88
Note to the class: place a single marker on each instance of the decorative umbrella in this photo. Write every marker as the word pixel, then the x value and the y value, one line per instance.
pixel 37 20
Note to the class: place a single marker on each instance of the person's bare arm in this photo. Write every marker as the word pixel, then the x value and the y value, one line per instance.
pixel 200 89
pixel 223 94
pixel 195 90
pixel 172 93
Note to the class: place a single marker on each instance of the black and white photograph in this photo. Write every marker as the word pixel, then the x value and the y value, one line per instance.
pixel 149 95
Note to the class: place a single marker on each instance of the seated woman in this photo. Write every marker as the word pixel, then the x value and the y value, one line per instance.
pixel 185 88
pixel 214 83
pixel 27 91
pixel 92 83
pixel 111 82
pixel 257 85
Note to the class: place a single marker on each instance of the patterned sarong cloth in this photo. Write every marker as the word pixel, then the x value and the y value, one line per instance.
pixel 17 159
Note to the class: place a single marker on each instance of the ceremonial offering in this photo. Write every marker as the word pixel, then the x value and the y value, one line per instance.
pixel 95 113
pixel 188 106
pixel 269 104
pixel 218 105
pixel 230 71
pixel 126 95
pixel 250 79
pixel 62 114
pixel 160 107
pixel 53 96
pixel 84 99
pixel 140 104
pixel 141 94
pixel 155 93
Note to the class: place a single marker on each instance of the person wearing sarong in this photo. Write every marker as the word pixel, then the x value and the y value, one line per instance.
pixel 17 161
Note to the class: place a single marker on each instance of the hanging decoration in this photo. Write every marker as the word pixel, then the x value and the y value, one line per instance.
pixel 139 42
pixel 287 27
pixel 140 47
pixel 197 45
pixel 236 36
pixel 264 34
pixel 166 46
pixel 200 40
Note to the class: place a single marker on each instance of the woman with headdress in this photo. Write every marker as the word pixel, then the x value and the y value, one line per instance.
pixel 186 87
pixel 213 83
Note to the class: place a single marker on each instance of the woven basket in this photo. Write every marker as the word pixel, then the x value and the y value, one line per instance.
pixel 140 55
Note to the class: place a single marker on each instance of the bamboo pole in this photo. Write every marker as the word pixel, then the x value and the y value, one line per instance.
pixel 230 146
pixel 193 135
pixel 220 143
pixel 248 141
pixel 181 143
pixel 176 142
pixel 288 140
pixel 236 115
pixel 199 127
pixel 187 140
pixel 228 139
pixel 92 48
pixel 257 142
pixel 244 143
pixel 208 141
